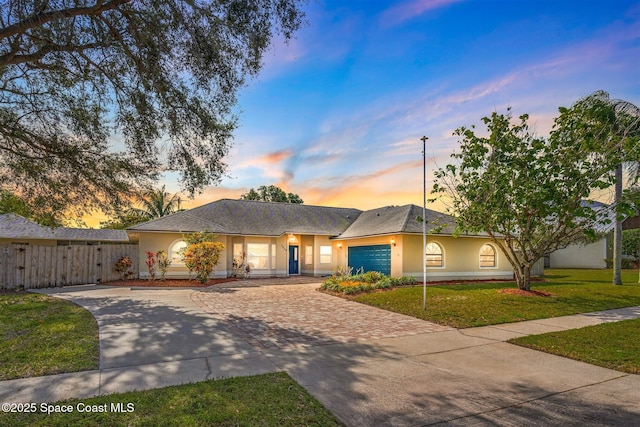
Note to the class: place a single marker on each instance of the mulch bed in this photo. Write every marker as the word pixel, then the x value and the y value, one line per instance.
pixel 169 283
pixel 526 293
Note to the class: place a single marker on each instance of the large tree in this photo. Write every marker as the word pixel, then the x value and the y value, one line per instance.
pixel 98 97
pixel 527 192
pixel 271 193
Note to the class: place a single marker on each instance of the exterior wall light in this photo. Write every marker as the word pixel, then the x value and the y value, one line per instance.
pixel 393 242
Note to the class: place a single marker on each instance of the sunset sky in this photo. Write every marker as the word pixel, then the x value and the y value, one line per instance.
pixel 336 115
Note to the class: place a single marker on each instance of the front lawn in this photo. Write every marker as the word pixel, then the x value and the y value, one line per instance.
pixel 40 335
pixel 469 305
pixel 611 345
pixel 262 400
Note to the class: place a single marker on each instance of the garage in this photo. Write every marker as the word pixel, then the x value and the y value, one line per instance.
pixel 370 258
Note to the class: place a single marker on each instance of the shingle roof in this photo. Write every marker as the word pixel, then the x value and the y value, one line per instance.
pixel 14 226
pixel 90 234
pixel 398 219
pixel 605 216
pixel 245 217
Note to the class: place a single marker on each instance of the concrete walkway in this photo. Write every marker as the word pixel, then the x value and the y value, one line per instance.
pixel 156 337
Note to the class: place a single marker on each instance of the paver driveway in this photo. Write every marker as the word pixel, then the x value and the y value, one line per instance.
pixel 267 314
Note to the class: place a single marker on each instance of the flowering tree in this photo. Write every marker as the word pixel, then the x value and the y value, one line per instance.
pixel 527 192
pixel 202 258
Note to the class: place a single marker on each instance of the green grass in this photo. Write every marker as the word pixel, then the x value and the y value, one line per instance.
pixel 263 400
pixel 611 345
pixel 469 305
pixel 40 335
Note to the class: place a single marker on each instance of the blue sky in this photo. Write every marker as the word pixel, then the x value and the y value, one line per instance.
pixel 336 115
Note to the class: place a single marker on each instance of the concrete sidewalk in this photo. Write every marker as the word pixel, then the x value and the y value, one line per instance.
pixel 468 377
pixel 456 377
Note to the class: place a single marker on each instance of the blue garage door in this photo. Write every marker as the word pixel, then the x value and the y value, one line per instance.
pixel 371 258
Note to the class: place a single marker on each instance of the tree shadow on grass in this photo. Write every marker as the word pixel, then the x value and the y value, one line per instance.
pixel 616 315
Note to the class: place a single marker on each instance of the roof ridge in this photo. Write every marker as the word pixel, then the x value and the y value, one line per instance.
pixel 303 205
pixel 409 208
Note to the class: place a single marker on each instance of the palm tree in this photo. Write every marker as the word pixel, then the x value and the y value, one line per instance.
pixel 158 203
pixel 611 129
pixel 627 126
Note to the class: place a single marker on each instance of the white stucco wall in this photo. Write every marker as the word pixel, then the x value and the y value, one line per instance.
pixel 592 255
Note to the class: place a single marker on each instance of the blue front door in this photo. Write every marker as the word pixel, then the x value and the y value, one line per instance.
pixel 293 260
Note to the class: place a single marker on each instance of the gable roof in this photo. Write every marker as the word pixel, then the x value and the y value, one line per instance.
pixel 247 217
pixel 398 219
pixel 14 226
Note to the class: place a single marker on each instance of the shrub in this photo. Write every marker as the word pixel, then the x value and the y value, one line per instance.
pixel 404 281
pixel 371 276
pixel 626 263
pixel 364 282
pixel 164 262
pixel 123 266
pixel 342 271
pixel 199 237
pixel 151 265
pixel 202 258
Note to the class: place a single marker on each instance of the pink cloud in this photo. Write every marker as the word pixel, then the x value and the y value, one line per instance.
pixel 265 160
pixel 407 10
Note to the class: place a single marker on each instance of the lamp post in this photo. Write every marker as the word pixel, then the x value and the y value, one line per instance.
pixel 424 222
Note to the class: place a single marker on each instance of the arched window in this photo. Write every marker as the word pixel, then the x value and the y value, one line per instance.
pixel 487 256
pixel 434 255
pixel 174 251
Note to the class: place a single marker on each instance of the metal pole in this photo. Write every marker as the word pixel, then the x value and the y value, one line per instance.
pixel 424 222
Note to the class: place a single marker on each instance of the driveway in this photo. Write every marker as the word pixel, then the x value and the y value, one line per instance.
pixel 368 366
pixel 371 367
pixel 270 316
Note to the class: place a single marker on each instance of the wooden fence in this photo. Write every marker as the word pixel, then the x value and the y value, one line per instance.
pixel 40 266
pixel 538 268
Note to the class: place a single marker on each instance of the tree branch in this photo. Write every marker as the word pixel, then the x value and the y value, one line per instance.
pixel 33 58
pixel 39 19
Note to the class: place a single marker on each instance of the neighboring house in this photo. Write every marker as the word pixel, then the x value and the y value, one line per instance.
pixel 17 229
pixel 595 254
pixel 583 255
pixel 281 239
